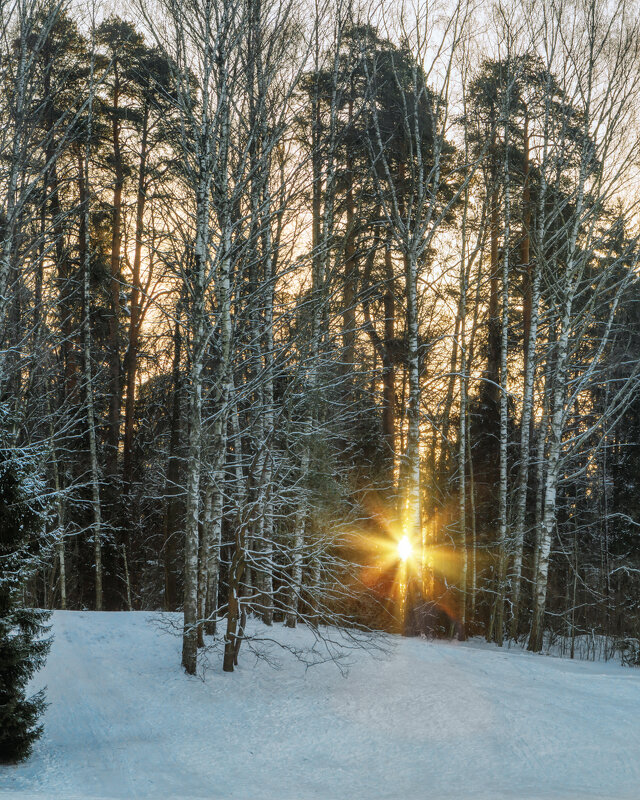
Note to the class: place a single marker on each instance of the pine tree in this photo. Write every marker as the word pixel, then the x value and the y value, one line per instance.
pixel 23 648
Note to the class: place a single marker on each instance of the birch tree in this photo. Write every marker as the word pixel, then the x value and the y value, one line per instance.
pixel 596 48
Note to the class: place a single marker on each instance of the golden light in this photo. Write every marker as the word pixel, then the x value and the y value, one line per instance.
pixel 404 548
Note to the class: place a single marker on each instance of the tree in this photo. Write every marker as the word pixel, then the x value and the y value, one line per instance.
pixel 586 232
pixel 417 183
pixel 22 646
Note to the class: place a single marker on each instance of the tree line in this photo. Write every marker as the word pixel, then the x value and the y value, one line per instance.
pixel 281 284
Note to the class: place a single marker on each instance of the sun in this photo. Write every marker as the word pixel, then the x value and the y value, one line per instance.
pixel 404 548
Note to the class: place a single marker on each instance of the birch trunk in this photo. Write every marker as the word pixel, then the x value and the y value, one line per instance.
pixel 172 487
pixel 11 205
pixel 531 340
pixel 298 540
pixel 504 413
pixel 462 428
pixel 60 512
pixel 553 461
pixel 567 291
pixel 194 447
pixel 213 521
pixel 412 518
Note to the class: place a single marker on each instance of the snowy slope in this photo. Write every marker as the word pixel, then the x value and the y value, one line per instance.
pixel 432 721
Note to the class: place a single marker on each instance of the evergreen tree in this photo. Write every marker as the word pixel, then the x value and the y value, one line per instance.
pixel 22 646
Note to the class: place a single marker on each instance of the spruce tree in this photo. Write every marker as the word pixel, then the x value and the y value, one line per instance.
pixel 23 647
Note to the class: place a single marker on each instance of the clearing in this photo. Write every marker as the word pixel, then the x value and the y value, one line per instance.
pixel 431 720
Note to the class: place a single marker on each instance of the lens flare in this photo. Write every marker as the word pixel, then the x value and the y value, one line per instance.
pixel 404 548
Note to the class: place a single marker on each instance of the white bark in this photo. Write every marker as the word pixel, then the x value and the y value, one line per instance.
pixel 503 533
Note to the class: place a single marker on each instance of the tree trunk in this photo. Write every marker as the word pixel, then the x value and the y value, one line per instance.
pixel 136 300
pixel 113 437
pixel 504 411
pixel 194 446
pixel 234 603
pixel 94 470
pixel 550 490
pixel 413 517
pixel 213 521
pixel 173 490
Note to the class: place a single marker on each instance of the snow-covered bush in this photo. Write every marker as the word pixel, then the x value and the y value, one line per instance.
pixel 629 649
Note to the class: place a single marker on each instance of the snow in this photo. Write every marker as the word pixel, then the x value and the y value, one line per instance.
pixel 433 720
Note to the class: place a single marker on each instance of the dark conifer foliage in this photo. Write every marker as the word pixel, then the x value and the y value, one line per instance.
pixel 23 642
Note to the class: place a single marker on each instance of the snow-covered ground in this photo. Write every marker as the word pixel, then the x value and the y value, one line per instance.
pixel 431 721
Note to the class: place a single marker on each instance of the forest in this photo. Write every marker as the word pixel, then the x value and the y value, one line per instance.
pixel 324 314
